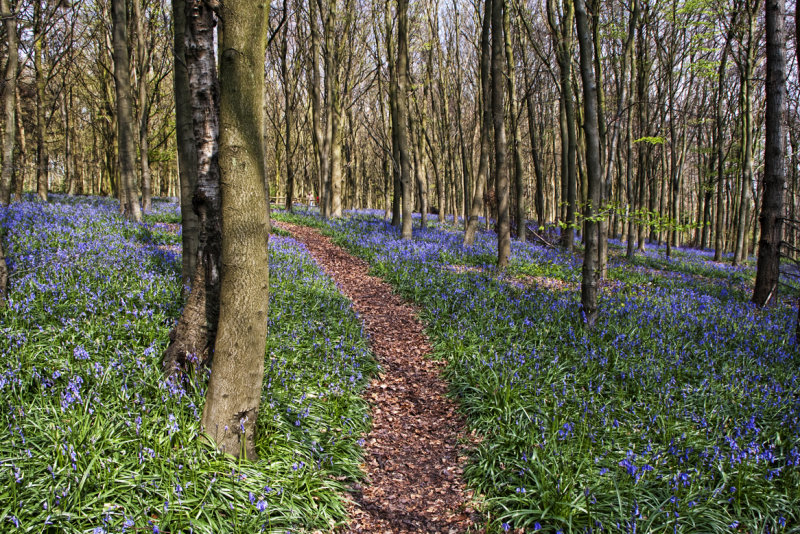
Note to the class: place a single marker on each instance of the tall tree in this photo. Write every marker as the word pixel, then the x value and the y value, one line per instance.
pixel 129 197
pixel 143 58
pixel 500 144
pixel 771 217
pixel 561 29
pixel 234 390
pixel 401 94
pixel 513 119
pixel 485 113
pixel 9 102
pixel 187 151
pixel 593 165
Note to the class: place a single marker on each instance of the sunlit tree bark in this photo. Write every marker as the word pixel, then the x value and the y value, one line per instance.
pixel 234 389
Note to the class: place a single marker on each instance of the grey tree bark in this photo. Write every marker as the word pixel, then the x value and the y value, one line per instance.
pixel 516 141
pixel 593 165
pixel 187 151
pixel 771 217
pixel 234 389
pixel 401 94
pixel 193 336
pixel 747 70
pixel 486 120
pixel 500 144
pixel 562 37
pixel 143 57
pixel 122 82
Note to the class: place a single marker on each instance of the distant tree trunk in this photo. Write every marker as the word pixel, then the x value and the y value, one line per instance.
pixel 144 107
pixel 500 146
pixel 321 141
pixel 9 108
pixel 486 118
pixel 122 82
pixel 562 36
pixel 391 65
pixel 22 163
pixel 187 151
pixel 516 142
pixel 746 195
pixel 234 389
pixel 771 218
pixel 421 172
pixel 593 166
pixel 535 157
pixel 41 105
pixel 288 117
pixel 193 336
pixel 719 142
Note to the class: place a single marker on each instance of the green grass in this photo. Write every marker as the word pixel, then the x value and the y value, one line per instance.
pixel 97 441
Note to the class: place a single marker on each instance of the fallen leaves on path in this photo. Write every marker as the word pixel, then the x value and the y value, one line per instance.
pixel 412 454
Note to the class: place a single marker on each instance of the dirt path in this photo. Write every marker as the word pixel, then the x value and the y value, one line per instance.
pixel 412 454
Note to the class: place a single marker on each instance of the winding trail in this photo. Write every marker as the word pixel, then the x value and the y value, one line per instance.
pixel 412 454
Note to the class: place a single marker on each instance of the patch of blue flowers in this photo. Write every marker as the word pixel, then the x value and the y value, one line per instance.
pixel 678 412
pixel 97 441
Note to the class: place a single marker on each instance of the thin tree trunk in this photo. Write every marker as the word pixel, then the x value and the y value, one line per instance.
pixel 746 196
pixel 22 162
pixel 486 117
pixel 288 118
pixel 234 389
pixel 144 107
pixel 38 67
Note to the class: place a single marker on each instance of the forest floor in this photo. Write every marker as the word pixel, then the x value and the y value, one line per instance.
pixel 415 448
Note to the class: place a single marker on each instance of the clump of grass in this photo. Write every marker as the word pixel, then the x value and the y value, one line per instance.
pixel 97 441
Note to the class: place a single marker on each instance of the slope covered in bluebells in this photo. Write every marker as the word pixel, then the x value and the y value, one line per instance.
pixel 95 440
pixel 678 412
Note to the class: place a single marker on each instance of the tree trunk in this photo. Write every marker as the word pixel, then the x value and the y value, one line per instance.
pixel 41 82
pixel 187 151
pixel 421 173
pixel 122 82
pixel 771 218
pixel 562 35
pixel 288 117
pixel 22 163
pixel 486 118
pixel 746 196
pixel 194 335
pixel 234 389
pixel 144 107
pixel 593 166
pixel 9 106
pixel 500 148
pixel 516 142
pixel 321 141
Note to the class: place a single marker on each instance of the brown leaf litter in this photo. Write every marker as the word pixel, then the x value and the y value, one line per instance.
pixel 413 454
